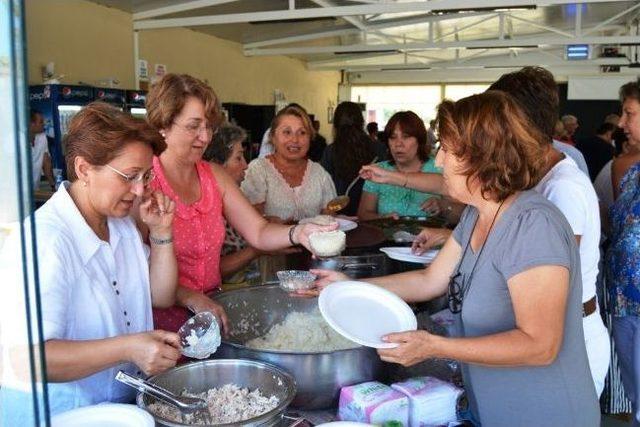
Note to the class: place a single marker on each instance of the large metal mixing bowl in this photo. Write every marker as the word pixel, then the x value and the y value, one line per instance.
pixel 198 377
pixel 319 376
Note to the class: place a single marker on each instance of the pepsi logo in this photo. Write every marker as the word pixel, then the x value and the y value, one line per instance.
pixel 66 91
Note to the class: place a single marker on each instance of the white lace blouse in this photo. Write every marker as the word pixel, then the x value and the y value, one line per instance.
pixel 263 183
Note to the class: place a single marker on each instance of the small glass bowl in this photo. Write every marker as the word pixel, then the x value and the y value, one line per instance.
pixel 200 336
pixel 294 280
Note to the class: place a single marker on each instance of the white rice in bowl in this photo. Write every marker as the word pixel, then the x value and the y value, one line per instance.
pixel 329 243
pixel 227 404
pixel 302 332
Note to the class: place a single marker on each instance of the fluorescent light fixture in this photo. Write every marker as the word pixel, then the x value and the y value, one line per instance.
pixel 578 52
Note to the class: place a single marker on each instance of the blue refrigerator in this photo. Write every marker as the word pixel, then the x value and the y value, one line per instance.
pixel 135 103
pixel 111 96
pixel 58 104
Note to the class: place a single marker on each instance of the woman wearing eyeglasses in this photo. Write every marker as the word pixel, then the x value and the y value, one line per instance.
pixel 185 111
pixel 286 184
pixel 511 270
pixel 97 281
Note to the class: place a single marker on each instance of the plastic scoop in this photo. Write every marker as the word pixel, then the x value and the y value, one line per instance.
pixel 200 336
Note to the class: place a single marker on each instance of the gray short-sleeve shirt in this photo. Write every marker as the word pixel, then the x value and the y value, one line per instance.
pixel 532 232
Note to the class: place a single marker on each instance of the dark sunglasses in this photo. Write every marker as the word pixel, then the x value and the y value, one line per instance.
pixel 455 293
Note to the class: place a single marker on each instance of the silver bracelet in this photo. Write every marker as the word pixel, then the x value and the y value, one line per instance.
pixel 157 241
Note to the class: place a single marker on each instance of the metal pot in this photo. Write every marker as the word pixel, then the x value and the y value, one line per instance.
pixel 198 377
pixel 319 376
pixel 355 266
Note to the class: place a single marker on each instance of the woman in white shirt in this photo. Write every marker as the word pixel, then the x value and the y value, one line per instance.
pixel 97 280
pixel 286 184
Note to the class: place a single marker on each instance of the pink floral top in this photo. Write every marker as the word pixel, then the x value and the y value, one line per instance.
pixel 198 235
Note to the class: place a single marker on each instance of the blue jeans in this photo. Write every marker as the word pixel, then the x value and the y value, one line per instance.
pixel 626 334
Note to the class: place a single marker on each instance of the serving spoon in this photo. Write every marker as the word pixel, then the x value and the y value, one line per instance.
pixel 341 202
pixel 185 404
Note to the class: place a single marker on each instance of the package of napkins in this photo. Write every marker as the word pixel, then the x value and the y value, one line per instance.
pixel 374 403
pixel 432 402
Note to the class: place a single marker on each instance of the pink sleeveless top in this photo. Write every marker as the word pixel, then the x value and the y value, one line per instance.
pixel 198 235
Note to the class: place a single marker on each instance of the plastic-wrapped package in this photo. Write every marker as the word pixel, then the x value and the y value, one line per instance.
pixel 432 402
pixel 374 403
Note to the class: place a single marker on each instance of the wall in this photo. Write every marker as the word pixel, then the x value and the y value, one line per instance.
pixel 236 78
pixel 89 42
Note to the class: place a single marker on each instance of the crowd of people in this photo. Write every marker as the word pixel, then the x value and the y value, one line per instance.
pixel 156 214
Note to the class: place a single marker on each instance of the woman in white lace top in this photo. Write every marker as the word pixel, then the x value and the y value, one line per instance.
pixel 286 184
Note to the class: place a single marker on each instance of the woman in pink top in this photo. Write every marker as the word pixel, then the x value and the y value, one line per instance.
pixel 186 112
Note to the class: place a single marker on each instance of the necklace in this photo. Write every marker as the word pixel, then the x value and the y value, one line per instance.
pixel 458 286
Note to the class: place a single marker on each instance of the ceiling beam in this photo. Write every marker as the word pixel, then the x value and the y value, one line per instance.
pixel 338 11
pixel 478 63
pixel 177 8
pixel 612 19
pixel 344 30
pixel 477 44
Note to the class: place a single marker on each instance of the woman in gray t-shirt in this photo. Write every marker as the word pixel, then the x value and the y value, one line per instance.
pixel 512 273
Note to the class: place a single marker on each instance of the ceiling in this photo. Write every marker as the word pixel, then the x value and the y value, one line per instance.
pixel 373 36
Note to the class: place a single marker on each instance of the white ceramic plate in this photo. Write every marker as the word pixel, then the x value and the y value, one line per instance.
pixel 404 254
pixel 346 224
pixel 363 313
pixel 104 415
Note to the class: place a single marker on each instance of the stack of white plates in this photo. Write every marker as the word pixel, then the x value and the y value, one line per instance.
pixel 349 306
pixel 403 253
pixel 104 415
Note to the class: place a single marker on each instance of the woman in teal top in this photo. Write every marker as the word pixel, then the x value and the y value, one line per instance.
pixel 410 152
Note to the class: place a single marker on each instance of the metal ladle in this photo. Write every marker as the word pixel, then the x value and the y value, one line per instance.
pixel 185 404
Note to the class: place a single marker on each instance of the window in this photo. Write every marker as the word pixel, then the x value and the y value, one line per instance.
pixel 383 101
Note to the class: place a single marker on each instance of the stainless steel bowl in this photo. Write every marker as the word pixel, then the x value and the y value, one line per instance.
pixel 198 377
pixel 319 376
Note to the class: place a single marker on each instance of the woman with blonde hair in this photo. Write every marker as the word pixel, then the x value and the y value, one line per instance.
pixel 286 184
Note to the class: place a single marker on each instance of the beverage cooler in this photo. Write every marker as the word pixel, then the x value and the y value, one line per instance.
pixel 58 104
pixel 135 103
pixel 115 97
pixel 255 119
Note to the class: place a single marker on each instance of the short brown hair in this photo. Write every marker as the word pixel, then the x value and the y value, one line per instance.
pixel 630 90
pixel 293 110
pixel 99 132
pixel 167 98
pixel 536 91
pixel 493 136
pixel 411 124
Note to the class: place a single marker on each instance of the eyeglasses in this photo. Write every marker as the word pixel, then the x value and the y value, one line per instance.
pixel 194 130
pixel 144 177
pixel 455 294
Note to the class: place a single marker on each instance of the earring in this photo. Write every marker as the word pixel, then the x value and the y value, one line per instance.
pixel 163 134
pixel 84 183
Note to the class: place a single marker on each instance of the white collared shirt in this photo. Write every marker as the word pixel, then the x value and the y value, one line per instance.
pixel 89 289
pixel 38 150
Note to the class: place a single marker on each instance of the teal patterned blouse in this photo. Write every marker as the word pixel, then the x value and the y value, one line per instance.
pixel 403 201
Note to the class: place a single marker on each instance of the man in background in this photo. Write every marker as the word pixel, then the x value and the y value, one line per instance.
pixel 598 149
pixel 571 126
pixel 40 158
